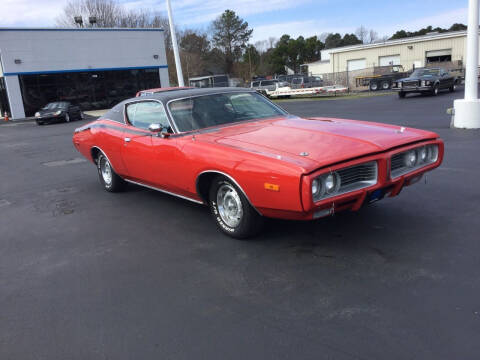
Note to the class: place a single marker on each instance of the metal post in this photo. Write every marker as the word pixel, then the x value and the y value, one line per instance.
pixel 178 64
pixel 467 111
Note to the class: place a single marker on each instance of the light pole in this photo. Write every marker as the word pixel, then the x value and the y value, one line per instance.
pixel 467 110
pixel 178 64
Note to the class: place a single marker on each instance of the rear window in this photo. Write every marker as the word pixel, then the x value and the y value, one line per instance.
pixel 268 82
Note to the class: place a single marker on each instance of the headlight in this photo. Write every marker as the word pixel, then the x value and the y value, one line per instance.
pixel 315 187
pixel 407 161
pixel 57 112
pixel 325 185
pixel 37 114
pixel 411 158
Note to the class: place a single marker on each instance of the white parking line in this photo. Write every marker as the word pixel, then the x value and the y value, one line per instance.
pixel 64 162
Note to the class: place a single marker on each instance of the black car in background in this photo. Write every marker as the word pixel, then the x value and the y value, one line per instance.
pixel 425 81
pixel 58 111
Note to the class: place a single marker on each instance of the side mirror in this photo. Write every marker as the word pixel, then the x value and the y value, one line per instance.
pixel 156 128
pixel 159 129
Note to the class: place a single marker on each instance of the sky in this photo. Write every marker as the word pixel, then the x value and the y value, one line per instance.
pixel 271 18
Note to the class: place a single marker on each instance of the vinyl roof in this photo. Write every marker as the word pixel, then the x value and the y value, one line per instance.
pixel 185 93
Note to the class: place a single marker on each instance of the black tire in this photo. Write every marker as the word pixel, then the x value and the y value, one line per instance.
pixel 386 85
pixel 67 117
pixel 114 183
pixel 249 222
pixel 373 86
pixel 81 115
pixel 435 90
pixel 40 123
pixel 401 94
pixel 453 87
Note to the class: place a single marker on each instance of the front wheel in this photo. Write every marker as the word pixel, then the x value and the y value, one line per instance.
pixel 435 90
pixel 231 210
pixel 401 94
pixel 67 117
pixel 108 177
pixel 373 86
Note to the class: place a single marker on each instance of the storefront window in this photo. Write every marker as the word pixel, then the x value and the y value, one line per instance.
pixel 90 90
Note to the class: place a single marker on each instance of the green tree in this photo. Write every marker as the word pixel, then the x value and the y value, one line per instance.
pixel 230 35
pixel 333 41
pixel 350 39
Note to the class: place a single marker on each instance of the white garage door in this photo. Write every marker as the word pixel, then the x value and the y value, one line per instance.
pixel 357 64
pixel 389 60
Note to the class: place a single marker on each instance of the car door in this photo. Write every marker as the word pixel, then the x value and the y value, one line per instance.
pixel 142 149
pixel 444 79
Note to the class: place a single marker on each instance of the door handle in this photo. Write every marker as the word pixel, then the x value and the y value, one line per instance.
pixel 127 139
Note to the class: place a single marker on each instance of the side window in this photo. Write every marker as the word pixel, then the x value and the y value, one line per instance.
pixel 143 114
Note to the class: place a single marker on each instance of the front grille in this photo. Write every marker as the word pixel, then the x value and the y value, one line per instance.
pixel 346 180
pixel 410 83
pixel 358 176
pixel 399 162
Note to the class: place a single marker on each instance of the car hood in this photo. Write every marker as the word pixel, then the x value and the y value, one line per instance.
pixel 50 111
pixel 314 142
pixel 416 78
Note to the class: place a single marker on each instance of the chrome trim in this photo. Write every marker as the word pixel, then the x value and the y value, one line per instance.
pixel 215 93
pixel 403 170
pixel 352 187
pixel 103 152
pixel 170 120
pixel 230 178
pixel 165 191
pixel 127 139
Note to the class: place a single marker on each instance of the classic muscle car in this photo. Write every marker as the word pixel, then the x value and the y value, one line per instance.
pixel 58 111
pixel 246 158
pixel 426 81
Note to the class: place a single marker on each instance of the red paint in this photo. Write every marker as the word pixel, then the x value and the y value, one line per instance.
pixel 258 152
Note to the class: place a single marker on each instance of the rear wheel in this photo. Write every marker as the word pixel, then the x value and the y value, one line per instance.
pixel 108 177
pixel 373 86
pixel 453 87
pixel 401 94
pixel 386 85
pixel 231 210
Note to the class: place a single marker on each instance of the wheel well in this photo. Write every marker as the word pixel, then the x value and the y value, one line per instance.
pixel 203 184
pixel 94 152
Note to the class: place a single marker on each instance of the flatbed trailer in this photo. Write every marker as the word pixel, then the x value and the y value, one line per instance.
pixel 382 78
pixel 289 92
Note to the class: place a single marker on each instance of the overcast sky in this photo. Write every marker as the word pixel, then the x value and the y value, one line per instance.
pixel 272 17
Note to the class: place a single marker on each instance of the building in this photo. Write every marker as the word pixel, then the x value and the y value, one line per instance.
pixel 93 67
pixel 435 48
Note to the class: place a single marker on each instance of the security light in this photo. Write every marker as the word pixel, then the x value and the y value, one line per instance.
pixel 78 20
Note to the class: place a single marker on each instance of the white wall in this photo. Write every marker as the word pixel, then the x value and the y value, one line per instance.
pixel 63 50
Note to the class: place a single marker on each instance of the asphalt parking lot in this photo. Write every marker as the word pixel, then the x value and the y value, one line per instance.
pixel 86 274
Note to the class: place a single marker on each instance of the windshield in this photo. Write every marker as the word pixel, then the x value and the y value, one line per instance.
pixel 221 109
pixel 425 72
pixel 55 105
pixel 297 81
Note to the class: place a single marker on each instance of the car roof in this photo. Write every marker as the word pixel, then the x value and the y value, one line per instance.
pixel 186 93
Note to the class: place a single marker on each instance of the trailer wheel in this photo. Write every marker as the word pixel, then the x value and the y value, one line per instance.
pixel 386 85
pixel 373 86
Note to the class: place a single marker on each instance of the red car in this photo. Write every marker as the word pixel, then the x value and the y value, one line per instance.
pixel 247 158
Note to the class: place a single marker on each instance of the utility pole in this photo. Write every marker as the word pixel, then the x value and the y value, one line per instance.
pixel 178 64
pixel 467 110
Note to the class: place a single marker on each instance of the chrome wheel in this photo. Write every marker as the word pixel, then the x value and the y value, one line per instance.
pixel 106 171
pixel 229 205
